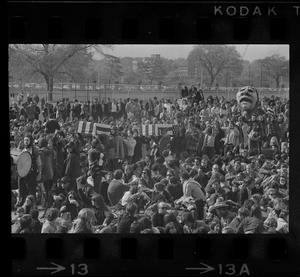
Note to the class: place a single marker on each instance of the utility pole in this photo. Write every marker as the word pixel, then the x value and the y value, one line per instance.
pixel 260 76
pixel 98 74
pixel 227 84
pixel 249 75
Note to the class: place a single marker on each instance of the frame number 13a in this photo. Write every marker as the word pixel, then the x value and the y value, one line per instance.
pixel 231 269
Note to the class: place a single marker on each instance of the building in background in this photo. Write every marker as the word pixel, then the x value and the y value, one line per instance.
pixel 155 56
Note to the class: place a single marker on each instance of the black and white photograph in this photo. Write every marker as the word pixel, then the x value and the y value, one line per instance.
pixel 149 138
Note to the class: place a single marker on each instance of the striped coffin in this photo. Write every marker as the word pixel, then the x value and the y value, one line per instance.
pixel 101 129
pixel 155 129
pixel 85 127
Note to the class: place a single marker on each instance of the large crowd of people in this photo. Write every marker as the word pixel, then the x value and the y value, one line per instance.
pixel 217 172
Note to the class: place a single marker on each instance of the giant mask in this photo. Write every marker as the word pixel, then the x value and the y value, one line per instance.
pixel 247 98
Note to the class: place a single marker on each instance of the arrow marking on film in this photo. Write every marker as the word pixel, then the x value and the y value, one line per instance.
pixel 206 268
pixel 57 268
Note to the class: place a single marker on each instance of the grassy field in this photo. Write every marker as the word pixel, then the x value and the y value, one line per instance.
pixel 142 95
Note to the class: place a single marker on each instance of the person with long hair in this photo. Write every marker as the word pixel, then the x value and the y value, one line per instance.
pixel 72 164
pixel 27 184
pixel 51 223
pixel 127 218
pixel 208 147
pixel 84 223
pixel 252 224
pixel 29 204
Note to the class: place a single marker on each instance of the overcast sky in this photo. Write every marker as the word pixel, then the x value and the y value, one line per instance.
pixel 254 51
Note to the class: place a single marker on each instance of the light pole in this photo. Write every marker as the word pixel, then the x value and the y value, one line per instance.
pixel 227 84
pixel 87 90
pixel 261 76
pixel 249 75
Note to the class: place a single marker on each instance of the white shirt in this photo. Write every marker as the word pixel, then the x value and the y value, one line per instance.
pixel 113 107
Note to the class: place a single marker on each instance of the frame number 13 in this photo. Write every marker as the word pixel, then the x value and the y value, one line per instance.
pixel 80 269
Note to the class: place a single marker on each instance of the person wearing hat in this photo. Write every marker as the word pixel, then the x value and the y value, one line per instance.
pixel 72 167
pixel 221 213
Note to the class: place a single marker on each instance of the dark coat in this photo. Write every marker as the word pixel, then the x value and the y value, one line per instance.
pixel 124 223
pixel 72 168
pixel 115 191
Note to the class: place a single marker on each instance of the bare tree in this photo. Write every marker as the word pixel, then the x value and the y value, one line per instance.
pixel 214 58
pixel 276 67
pixel 49 60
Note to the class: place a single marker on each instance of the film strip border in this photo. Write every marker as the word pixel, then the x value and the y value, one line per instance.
pixel 175 22
pixel 154 255
pixel 181 23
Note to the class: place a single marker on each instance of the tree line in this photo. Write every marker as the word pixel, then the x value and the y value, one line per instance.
pixel 210 65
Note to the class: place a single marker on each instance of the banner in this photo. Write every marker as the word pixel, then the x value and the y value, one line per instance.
pixel 85 127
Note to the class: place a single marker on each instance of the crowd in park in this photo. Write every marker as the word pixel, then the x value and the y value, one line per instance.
pixel 218 170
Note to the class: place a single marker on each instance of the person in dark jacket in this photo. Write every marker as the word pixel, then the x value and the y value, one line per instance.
pixel 252 224
pixel 61 154
pixel 85 191
pixel 174 188
pixel 137 153
pixel 47 155
pixel 158 217
pixel 242 213
pixel 100 209
pixel 127 218
pixel 116 188
pixel 36 225
pixel 71 205
pixel 72 164
pixel 25 224
pixel 52 125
